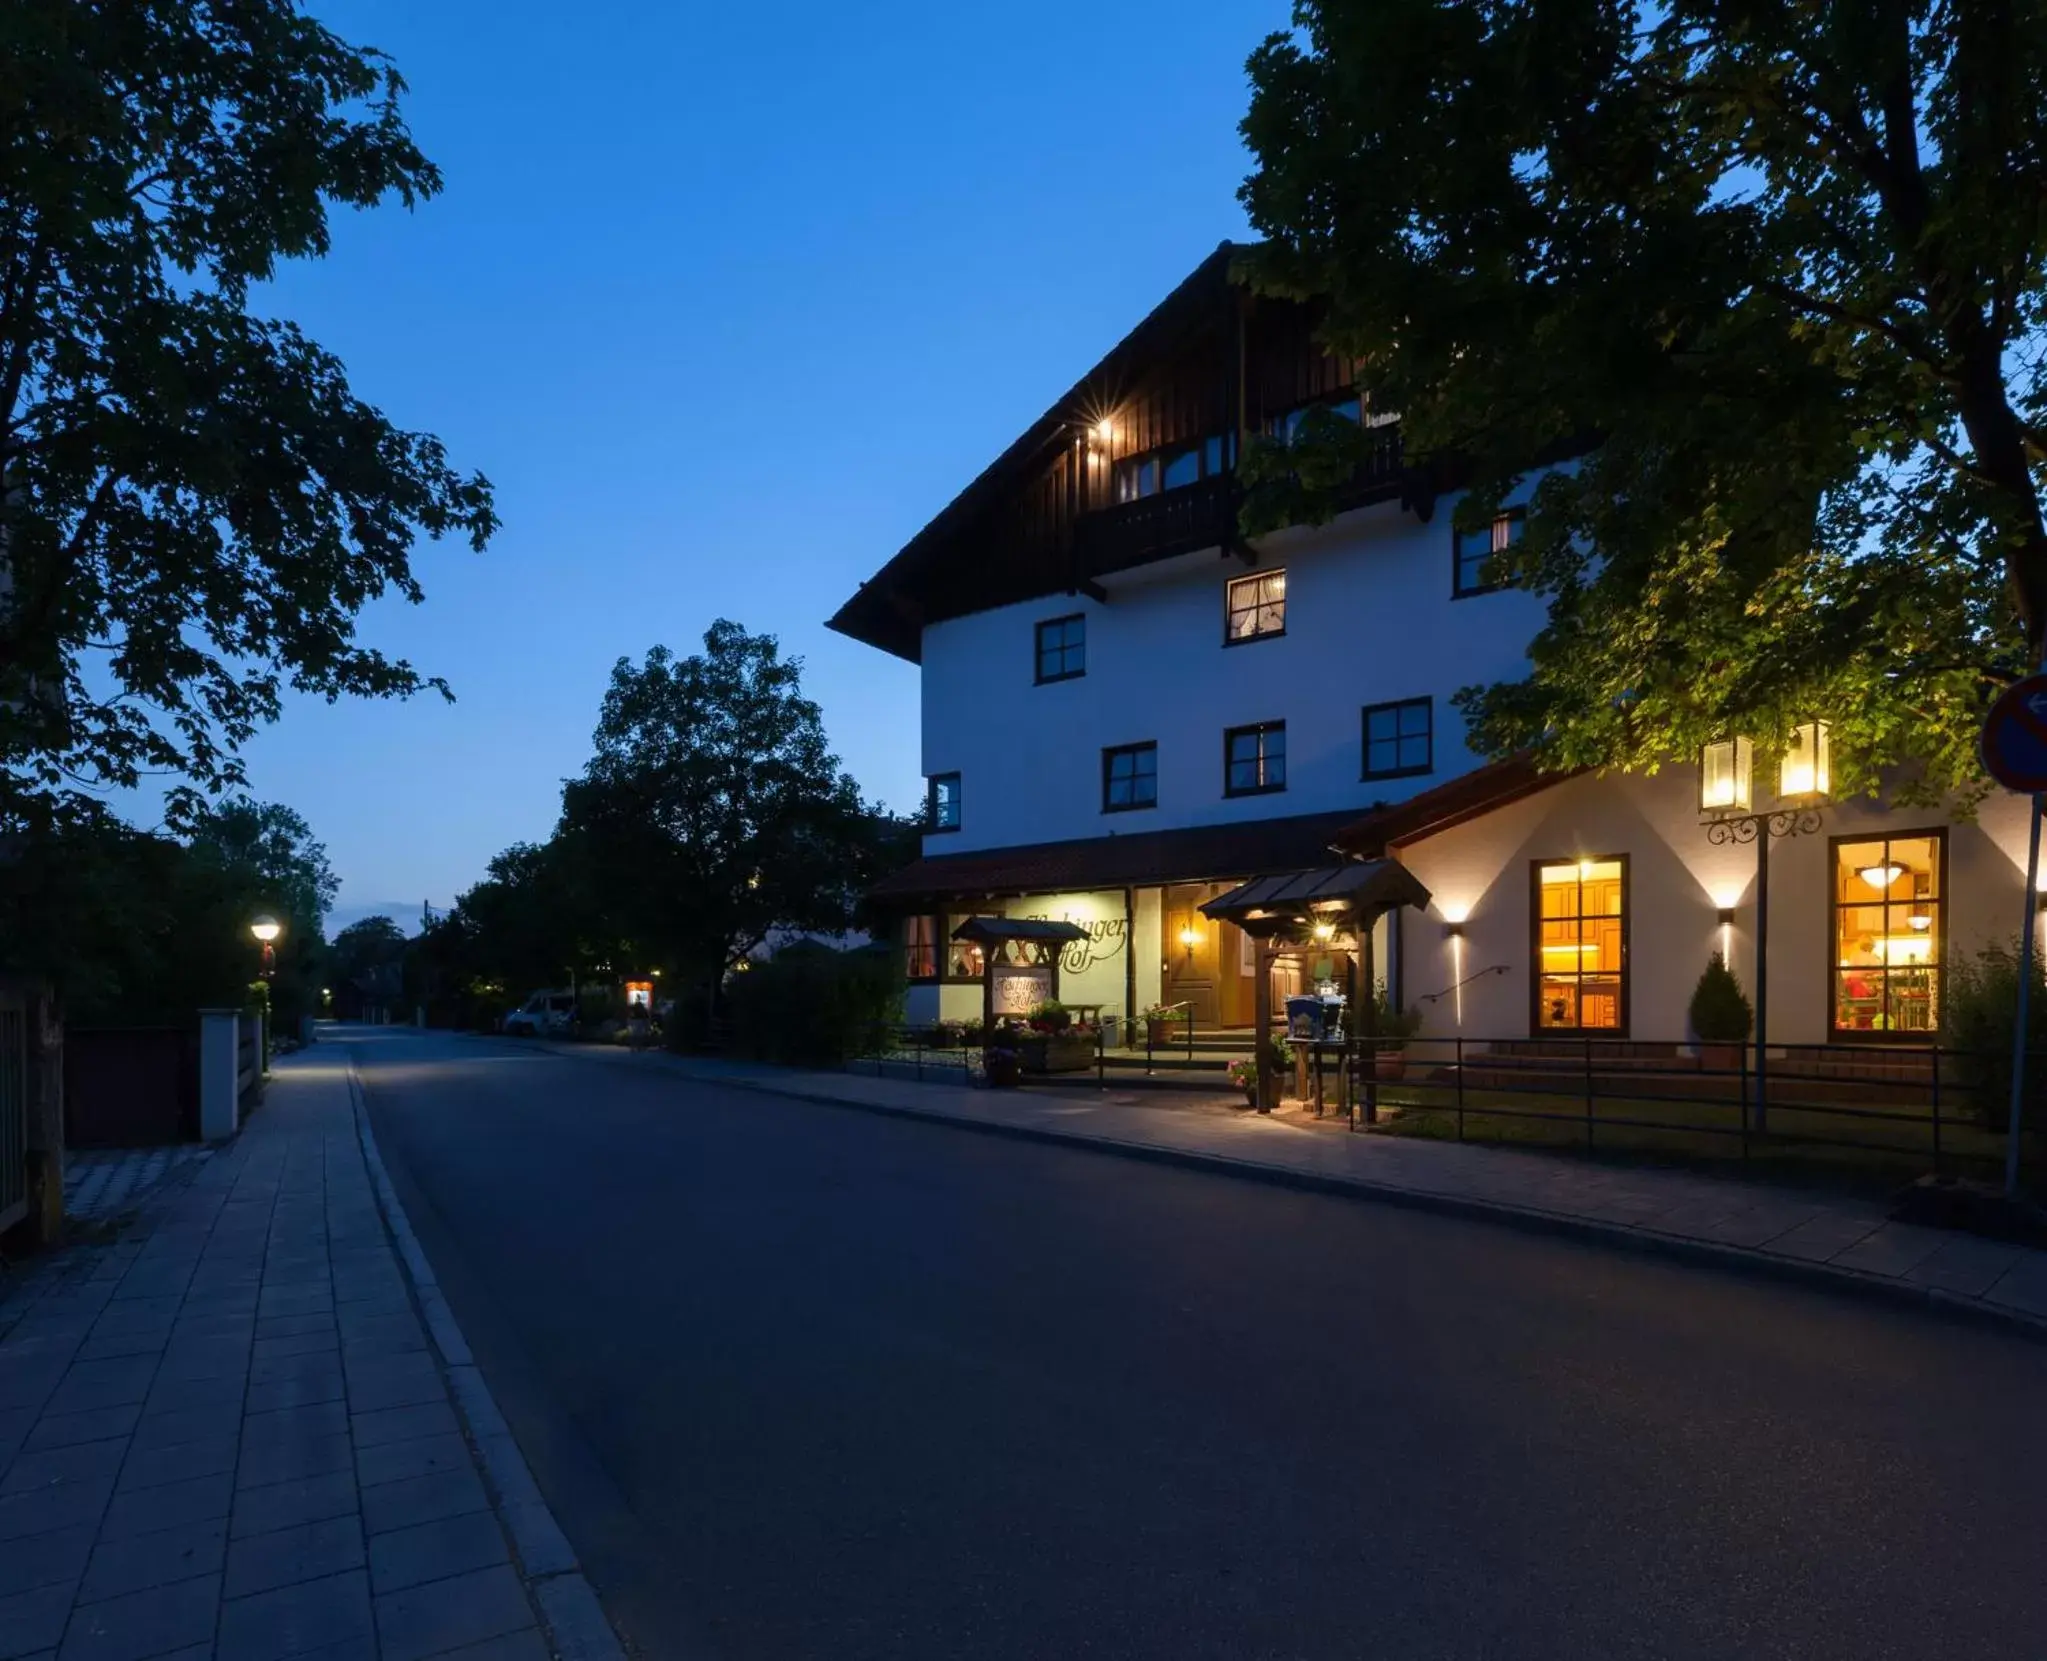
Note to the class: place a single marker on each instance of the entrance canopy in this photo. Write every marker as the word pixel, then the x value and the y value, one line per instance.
pixel 1000 931
pixel 1289 908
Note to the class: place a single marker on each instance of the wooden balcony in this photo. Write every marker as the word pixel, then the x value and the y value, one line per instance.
pixel 1204 515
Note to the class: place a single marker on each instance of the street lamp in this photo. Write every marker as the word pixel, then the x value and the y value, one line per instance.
pixel 266 929
pixel 1804 781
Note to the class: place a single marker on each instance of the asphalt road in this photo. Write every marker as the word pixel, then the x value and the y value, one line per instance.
pixel 804 1382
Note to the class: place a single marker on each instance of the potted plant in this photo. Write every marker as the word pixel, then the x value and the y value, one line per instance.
pixel 1389 1029
pixel 1001 1060
pixel 1052 1043
pixel 1244 1075
pixel 1159 1021
pixel 1722 1018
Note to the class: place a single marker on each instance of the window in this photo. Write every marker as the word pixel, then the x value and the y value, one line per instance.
pixel 1130 777
pixel 1254 759
pixel 1888 936
pixel 1580 945
pixel 942 808
pixel 1255 608
pixel 1399 738
pixel 1288 426
pixel 920 948
pixel 1475 548
pixel 964 959
pixel 1062 649
pixel 1174 467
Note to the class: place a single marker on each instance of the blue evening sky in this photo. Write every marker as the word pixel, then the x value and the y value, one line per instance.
pixel 727 301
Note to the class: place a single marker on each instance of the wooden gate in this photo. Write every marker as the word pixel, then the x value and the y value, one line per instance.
pixel 13 1108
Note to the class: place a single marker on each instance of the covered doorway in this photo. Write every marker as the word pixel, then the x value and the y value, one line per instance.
pixel 1211 965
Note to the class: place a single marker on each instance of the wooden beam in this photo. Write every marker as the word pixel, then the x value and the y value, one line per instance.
pixel 1242 549
pixel 1261 1037
pixel 1093 590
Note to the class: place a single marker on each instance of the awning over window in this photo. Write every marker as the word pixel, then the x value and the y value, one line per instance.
pixel 1290 905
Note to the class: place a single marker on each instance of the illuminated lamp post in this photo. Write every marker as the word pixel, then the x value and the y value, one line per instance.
pixel 1804 781
pixel 266 929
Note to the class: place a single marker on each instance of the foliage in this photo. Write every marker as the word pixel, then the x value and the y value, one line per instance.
pixel 196 503
pixel 366 966
pixel 812 1004
pixel 1720 1010
pixel 1979 1018
pixel 137 928
pixel 1773 275
pixel 1049 1016
pixel 1388 1019
pixel 715 809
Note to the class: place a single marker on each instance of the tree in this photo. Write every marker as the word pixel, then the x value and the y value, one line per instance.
pixel 714 812
pixel 274 845
pixel 194 504
pixel 1772 272
pixel 366 963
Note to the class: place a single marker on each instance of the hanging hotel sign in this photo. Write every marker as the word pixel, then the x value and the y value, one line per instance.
pixel 1018 988
pixel 2014 741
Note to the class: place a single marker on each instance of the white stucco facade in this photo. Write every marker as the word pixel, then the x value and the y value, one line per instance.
pixel 1678 884
pixel 1370 619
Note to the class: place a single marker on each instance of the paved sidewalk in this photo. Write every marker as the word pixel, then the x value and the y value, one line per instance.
pixel 227 1435
pixel 1846 1241
pixel 101 1183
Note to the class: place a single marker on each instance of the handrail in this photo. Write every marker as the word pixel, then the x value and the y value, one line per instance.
pixel 1477 974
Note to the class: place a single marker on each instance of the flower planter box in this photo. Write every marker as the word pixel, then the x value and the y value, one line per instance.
pixel 1056 1052
pixel 1159 1034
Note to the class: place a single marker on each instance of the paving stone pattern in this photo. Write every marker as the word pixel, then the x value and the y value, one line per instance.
pixel 1853 1240
pixel 100 1183
pixel 226 1435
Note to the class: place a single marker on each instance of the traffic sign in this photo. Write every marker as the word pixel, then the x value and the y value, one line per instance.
pixel 2014 742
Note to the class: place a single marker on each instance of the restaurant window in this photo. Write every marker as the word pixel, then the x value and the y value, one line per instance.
pixel 1255 607
pixel 1888 934
pixel 1473 549
pixel 1254 759
pixel 1062 648
pixel 1399 738
pixel 1580 945
pixel 1130 777
pixel 964 959
pixel 942 806
pixel 920 948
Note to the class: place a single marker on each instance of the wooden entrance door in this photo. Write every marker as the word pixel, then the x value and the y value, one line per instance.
pixel 1191 948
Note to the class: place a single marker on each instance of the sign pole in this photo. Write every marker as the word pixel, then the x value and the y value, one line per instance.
pixel 2019 1046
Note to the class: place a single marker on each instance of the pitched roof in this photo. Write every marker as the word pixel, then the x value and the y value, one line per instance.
pixel 1267 905
pixel 1454 802
pixel 1198 853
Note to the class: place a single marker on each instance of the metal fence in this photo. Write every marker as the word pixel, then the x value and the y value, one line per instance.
pixel 1937 1106
pixel 13 1108
pixel 1934 1107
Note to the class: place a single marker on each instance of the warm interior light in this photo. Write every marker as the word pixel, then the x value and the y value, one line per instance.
pixel 266 929
pixel 1881 876
pixel 1921 923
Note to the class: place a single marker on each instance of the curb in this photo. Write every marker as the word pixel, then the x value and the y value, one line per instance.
pixel 575 1622
pixel 1528 1219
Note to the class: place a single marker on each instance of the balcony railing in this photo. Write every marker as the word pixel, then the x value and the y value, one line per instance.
pixel 1204 515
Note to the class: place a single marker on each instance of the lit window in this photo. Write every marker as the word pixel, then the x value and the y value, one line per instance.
pixel 1254 759
pixel 1580 946
pixel 1725 773
pixel 1888 936
pixel 942 808
pixel 1399 738
pixel 964 959
pixel 1474 549
pixel 1806 769
pixel 1130 777
pixel 920 948
pixel 1062 649
pixel 1256 607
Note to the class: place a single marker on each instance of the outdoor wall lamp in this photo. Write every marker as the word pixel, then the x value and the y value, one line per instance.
pixel 1727 917
pixel 1190 938
pixel 1453 931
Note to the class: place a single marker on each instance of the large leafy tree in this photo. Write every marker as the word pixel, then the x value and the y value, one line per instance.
pixel 1771 271
pixel 194 503
pixel 713 811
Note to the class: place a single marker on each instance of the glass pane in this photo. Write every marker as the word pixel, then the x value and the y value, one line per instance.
pixel 1414 717
pixel 1183 469
pixel 1859 1000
